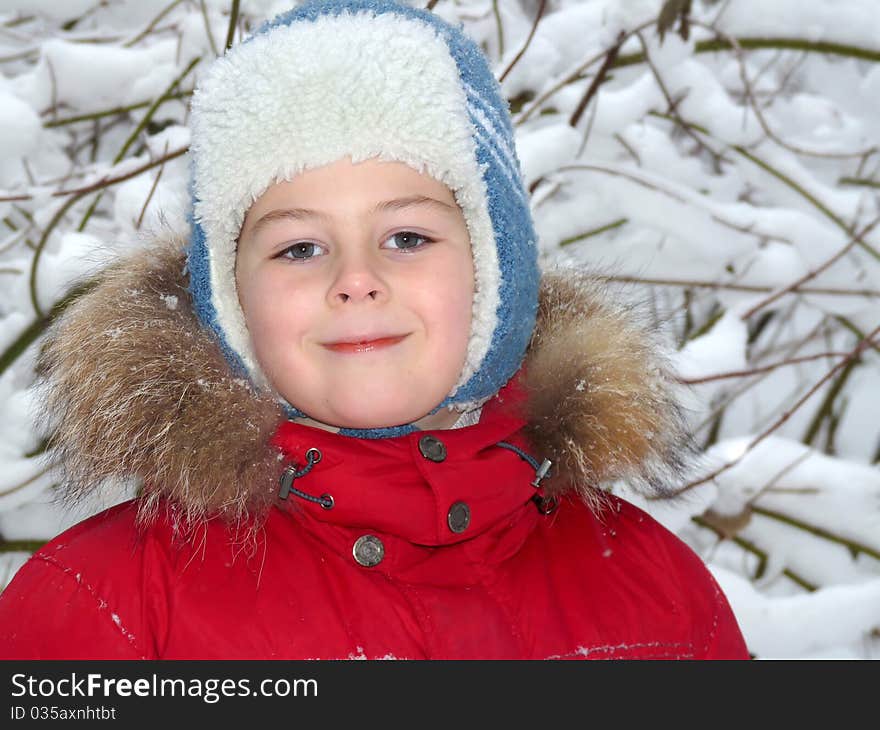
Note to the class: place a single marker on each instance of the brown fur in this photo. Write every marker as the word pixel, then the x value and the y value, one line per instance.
pixel 135 388
pixel 600 401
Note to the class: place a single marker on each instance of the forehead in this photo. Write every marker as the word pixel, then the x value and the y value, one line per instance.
pixel 344 186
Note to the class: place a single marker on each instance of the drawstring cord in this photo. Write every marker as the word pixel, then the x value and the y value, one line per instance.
pixel 291 474
pixel 545 505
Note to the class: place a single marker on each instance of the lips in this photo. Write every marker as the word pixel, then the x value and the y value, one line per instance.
pixel 365 344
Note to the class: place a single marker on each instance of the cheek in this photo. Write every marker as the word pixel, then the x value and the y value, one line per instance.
pixel 450 299
pixel 274 312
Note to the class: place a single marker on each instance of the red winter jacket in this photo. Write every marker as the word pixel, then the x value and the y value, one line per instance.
pixel 434 547
pixel 511 584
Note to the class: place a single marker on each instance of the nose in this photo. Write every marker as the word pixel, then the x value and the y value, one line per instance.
pixel 357 279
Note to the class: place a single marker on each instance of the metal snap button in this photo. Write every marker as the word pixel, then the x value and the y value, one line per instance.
pixel 459 517
pixel 432 448
pixel 368 551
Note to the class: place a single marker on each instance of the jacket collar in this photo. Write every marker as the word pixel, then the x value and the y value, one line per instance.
pixel 402 486
pixel 133 387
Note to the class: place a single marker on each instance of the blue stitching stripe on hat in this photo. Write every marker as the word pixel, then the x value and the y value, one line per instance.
pixel 200 293
pixel 507 201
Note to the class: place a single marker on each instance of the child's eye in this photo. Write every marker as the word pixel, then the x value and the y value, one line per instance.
pixel 407 240
pixel 302 251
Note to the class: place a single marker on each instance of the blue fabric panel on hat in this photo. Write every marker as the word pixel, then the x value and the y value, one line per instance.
pixel 198 266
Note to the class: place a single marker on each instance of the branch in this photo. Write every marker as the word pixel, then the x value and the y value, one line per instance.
pixel 866 342
pixel 500 28
pixel 110 112
pixel 207 23
pixel 233 19
pixel 576 74
pixel 542 4
pixel 814 273
pixel 153 23
pixel 794 44
pixel 759 115
pixel 610 55
pixel 106 182
pixel 827 212
pixel 695 283
pixel 21 546
pixel 854 547
pixel 633 176
pixel 760 369
pixel 749 546
pixel 673 106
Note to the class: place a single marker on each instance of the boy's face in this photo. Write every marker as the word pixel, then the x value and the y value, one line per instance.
pixel 356 283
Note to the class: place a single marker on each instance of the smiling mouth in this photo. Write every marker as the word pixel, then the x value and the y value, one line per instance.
pixel 364 346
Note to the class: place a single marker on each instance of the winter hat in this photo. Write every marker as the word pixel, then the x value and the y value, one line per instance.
pixel 364 78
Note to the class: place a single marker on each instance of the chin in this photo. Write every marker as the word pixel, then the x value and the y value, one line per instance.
pixel 375 418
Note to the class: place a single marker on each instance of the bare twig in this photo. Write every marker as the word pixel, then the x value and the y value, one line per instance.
pixel 697 284
pixel 500 28
pixel 153 187
pixel 110 112
pixel 21 485
pixel 750 547
pixel 142 124
pixel 860 347
pixel 673 106
pixel 852 545
pixel 610 55
pixel 67 206
pixel 137 131
pixel 522 50
pixel 233 20
pixel 811 274
pixel 750 96
pixel 824 411
pixel 716 44
pixel 208 31
pixel 575 75
pixel 153 23
pixel 32 282
pixel 760 369
pixel 784 352
pixel 105 182
pixel 825 210
pixel 633 176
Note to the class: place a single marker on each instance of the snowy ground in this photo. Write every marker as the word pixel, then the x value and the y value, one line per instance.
pixel 729 179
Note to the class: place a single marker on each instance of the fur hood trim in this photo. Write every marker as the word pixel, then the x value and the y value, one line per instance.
pixel 134 387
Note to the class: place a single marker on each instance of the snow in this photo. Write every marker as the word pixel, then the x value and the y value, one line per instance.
pixel 20 126
pixel 713 220
pixel 48 8
pixel 856 23
pixel 88 77
pixel 720 350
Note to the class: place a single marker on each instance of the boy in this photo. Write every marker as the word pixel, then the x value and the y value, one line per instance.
pixel 365 425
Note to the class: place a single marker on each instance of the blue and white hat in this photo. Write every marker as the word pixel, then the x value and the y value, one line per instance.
pixel 364 78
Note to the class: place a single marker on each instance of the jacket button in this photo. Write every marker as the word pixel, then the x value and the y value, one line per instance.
pixel 459 517
pixel 368 550
pixel 432 448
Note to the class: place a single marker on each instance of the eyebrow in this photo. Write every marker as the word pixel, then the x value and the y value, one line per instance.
pixel 299 214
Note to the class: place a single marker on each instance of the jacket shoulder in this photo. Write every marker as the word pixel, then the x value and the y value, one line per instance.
pixel 81 595
pixel 674 584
